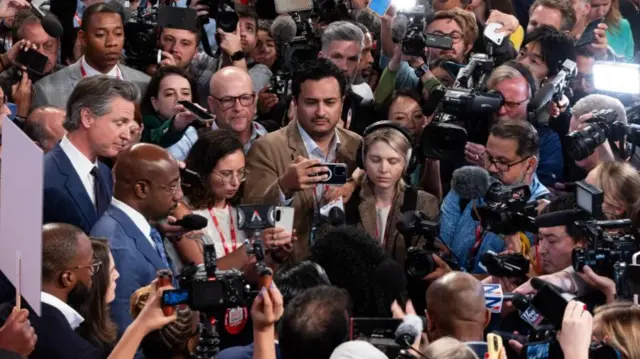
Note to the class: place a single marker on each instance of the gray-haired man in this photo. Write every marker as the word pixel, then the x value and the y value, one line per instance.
pixel 78 187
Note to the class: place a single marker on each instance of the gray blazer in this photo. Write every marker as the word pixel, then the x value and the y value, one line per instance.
pixel 55 89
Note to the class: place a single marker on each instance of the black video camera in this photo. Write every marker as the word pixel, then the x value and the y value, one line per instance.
pixel 445 137
pixel 415 40
pixel 328 11
pixel 505 265
pixel 224 11
pixel 604 125
pixel 507 209
pixel 141 38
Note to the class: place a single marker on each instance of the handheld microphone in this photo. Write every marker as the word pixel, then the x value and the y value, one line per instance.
pixel 336 217
pixel 550 301
pixel 49 23
pixel 283 29
pixel 493 297
pixel 527 313
pixel 409 330
pixel 471 182
pixel 192 222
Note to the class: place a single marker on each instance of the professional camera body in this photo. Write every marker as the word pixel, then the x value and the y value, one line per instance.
pixel 505 265
pixel 141 38
pixel 603 125
pixel 507 209
pixel 419 260
pixel 611 248
pixel 445 137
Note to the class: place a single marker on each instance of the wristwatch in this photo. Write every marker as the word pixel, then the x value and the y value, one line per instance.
pixel 422 70
pixel 238 55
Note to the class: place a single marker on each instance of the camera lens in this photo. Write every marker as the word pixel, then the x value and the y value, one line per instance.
pixel 419 263
pixel 278 215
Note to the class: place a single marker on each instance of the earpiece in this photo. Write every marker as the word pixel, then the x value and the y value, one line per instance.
pixel 411 160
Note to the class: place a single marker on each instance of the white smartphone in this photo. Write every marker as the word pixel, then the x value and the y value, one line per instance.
pixel 284 218
pixel 490 32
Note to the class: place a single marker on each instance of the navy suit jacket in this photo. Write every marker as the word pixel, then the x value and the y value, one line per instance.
pixel 65 198
pixel 56 339
pixel 136 259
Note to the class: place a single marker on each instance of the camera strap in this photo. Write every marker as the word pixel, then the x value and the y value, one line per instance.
pixel 232 230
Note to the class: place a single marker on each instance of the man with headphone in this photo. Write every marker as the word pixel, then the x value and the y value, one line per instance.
pixel 517 86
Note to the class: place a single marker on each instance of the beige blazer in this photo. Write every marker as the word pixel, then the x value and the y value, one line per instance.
pixel 269 158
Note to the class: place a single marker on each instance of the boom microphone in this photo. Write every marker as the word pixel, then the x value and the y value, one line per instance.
pixel 50 24
pixel 399 27
pixel 471 182
pixel 192 222
pixel 283 29
pixel 409 330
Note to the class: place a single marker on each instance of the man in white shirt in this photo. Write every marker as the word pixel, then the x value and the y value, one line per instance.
pixel 68 267
pixel 102 37
pixel 78 187
pixel 147 188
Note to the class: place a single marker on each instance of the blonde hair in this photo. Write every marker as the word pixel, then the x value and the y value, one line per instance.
pixel 449 348
pixel 618 180
pixel 619 322
pixel 394 139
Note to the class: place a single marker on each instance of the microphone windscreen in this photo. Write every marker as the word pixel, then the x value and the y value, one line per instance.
pixel 559 218
pixel 336 217
pixel 392 282
pixel 51 26
pixel 192 222
pixel 538 283
pixel 399 27
pixel 520 302
pixel 409 330
pixel 471 182
pixel 283 30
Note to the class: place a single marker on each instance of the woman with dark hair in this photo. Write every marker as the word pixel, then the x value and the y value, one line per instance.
pixel 166 122
pixel 217 161
pixel 98 328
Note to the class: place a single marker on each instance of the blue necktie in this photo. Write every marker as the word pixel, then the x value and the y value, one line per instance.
pixel 100 192
pixel 157 239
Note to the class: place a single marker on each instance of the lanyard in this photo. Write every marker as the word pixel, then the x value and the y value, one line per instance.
pixel 232 229
pixel 316 201
pixel 84 73
pixel 78 19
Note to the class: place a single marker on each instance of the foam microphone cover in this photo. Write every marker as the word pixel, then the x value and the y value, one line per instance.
pixel 283 29
pixel 336 217
pixel 392 282
pixel 192 222
pixel 399 27
pixel 520 302
pixel 409 330
pixel 51 26
pixel 471 182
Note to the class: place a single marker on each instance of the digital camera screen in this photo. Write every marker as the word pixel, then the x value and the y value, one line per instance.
pixel 174 297
pixel 537 350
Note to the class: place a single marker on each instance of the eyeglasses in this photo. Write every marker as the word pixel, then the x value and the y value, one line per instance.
pixel 513 105
pixel 228 176
pixel 501 166
pixel 228 101
pixel 94 267
pixel 456 36
pixel 172 188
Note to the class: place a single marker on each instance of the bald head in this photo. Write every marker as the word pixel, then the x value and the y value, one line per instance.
pixel 147 179
pixel 44 126
pixel 456 306
pixel 233 115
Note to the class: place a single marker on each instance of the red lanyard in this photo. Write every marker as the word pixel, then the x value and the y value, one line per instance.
pixel 84 73
pixel 232 229
pixel 78 19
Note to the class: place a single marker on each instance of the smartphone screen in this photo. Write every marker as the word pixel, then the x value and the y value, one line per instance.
pixel 379 6
pixel 536 350
pixel 174 297
pixel 33 60
pixel 204 115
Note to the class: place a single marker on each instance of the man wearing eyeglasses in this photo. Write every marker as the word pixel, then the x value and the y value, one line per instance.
pixel 147 188
pixel 516 90
pixel 233 102
pixel 511 156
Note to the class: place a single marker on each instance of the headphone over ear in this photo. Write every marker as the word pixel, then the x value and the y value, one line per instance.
pixel 527 75
pixel 411 160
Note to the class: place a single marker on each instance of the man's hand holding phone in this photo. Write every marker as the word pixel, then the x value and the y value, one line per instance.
pixel 302 174
pixel 21 93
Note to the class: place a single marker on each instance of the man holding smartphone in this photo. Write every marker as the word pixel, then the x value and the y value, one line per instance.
pixel 285 165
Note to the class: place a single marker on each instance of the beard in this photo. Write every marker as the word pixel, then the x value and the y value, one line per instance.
pixel 78 296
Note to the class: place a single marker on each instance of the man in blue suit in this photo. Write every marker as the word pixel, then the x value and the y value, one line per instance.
pixel 78 187
pixel 147 188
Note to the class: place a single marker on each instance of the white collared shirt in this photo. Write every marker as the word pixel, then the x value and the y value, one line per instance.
pixel 136 217
pixel 73 317
pixel 90 71
pixel 257 130
pixel 315 153
pixel 82 165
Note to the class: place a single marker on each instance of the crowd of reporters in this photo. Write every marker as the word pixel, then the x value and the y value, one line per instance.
pixel 453 166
